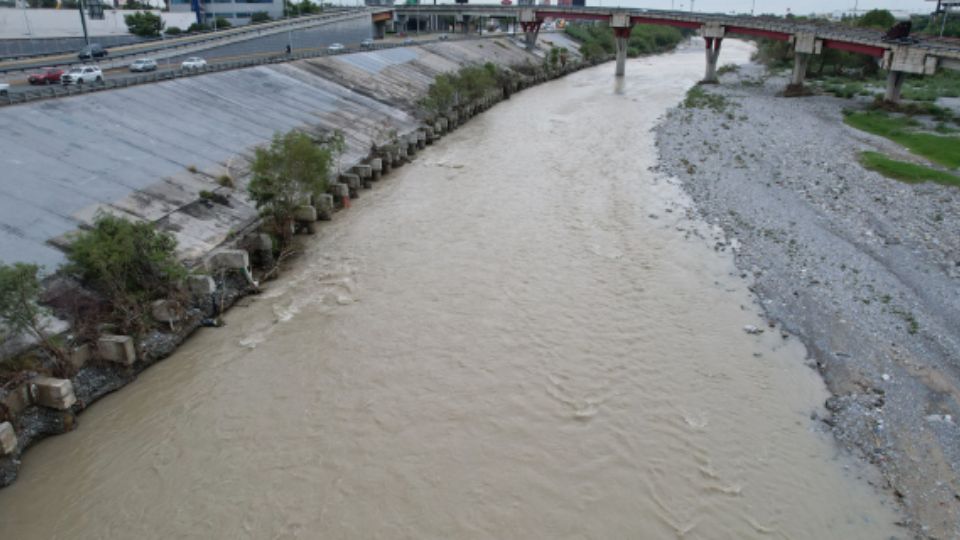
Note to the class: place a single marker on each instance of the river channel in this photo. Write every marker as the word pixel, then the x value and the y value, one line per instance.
pixel 519 335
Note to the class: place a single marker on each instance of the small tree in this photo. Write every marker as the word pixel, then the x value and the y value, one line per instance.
pixel 259 17
pixel 284 174
pixel 144 24
pixel 129 263
pixel 877 18
pixel 19 311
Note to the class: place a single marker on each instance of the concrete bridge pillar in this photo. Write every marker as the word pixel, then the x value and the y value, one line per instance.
pixel 894 86
pixel 713 37
pixel 620 22
pixel 530 26
pixel 805 45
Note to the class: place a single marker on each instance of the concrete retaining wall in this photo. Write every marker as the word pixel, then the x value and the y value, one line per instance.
pixel 131 151
pixel 49 23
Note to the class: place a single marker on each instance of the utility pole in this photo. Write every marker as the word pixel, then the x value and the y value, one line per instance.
pixel 83 21
pixel 753 7
pixel 943 26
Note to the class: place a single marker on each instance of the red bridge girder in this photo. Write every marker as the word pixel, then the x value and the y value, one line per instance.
pixel 854 47
pixel 757 32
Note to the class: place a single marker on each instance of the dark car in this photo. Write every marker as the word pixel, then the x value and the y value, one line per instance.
pixel 46 76
pixel 94 50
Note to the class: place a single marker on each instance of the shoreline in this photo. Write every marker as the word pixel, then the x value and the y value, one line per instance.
pixel 863 269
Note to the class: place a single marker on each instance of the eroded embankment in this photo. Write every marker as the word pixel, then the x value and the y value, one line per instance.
pixel 865 269
pixel 135 136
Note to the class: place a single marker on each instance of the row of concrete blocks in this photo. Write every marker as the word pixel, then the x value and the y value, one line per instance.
pixel 47 392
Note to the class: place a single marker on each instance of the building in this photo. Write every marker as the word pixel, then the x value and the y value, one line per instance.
pixel 237 12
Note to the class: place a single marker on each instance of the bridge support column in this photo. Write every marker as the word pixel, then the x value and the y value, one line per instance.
pixel 713 54
pixel 800 63
pixel 620 22
pixel 894 86
pixel 530 26
pixel 713 34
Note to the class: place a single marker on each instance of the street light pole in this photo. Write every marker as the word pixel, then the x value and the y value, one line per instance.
pixel 83 22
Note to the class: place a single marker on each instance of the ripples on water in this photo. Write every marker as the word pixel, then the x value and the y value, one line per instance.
pixel 520 335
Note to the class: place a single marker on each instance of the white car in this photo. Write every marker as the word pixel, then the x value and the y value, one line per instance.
pixel 336 47
pixel 194 62
pixel 82 75
pixel 4 88
pixel 144 64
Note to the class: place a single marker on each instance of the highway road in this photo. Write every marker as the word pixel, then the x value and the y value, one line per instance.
pixel 349 33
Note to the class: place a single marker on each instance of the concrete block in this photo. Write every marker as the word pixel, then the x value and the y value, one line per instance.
pixel 351 180
pixel 807 43
pixel 17 400
pixel 260 241
pixel 325 207
pixel 79 356
pixel 201 285
pixel 305 213
pixel 363 171
pixel 376 164
pixel 52 393
pixel 118 349
pixel 712 30
pixel 8 439
pixel 166 311
pixel 229 259
pixel 340 189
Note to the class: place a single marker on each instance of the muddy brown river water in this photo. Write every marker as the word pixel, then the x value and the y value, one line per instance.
pixel 513 337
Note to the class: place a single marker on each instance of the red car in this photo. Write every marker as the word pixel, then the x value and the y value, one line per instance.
pixel 47 76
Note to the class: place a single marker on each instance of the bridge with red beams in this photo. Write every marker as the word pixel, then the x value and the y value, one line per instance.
pixel 923 56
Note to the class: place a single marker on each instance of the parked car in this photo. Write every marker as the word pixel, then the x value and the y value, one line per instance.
pixel 94 50
pixel 47 76
pixel 144 64
pixel 82 75
pixel 336 47
pixel 194 62
pixel 4 89
pixel 367 43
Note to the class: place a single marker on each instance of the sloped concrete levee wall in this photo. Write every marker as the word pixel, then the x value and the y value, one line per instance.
pixel 131 151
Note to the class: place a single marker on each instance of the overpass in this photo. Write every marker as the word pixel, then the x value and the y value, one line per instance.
pixel 923 57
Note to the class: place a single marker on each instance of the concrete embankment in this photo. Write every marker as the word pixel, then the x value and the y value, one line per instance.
pixel 160 153
pixel 864 268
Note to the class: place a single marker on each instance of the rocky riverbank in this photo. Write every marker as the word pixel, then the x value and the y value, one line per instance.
pixel 864 269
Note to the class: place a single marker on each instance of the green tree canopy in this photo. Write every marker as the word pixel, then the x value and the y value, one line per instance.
pixel 877 18
pixel 144 23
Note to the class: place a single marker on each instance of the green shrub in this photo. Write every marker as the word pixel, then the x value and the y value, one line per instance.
pixel 698 98
pixel 144 23
pixel 173 31
pixel 222 23
pixel 259 17
pixel 285 174
pixel 198 27
pixel 20 312
pixel 130 263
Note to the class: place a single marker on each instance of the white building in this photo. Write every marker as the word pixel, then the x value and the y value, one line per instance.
pixel 237 12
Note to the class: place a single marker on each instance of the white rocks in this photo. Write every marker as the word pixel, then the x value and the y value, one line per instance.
pixel 118 349
pixel 8 439
pixel 751 329
pixel 53 393
pixel 376 164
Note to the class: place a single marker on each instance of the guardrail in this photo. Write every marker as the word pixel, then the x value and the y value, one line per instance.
pixel 176 43
pixel 53 92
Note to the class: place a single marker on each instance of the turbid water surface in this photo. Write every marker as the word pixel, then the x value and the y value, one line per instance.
pixel 513 337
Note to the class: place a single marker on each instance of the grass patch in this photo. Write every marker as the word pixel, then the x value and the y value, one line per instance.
pixel 728 68
pixel 698 98
pixel 941 149
pixel 906 172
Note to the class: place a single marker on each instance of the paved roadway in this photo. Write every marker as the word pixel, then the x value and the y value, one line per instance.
pixel 349 33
